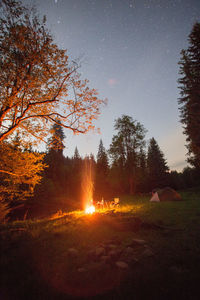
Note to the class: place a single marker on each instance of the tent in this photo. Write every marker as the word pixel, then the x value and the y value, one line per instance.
pixel 165 194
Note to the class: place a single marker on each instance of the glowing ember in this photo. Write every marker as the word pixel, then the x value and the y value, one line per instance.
pixel 90 209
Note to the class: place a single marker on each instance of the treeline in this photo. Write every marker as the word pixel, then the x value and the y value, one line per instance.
pixel 127 167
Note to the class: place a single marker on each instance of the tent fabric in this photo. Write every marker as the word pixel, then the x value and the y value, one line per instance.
pixel 165 194
pixel 155 198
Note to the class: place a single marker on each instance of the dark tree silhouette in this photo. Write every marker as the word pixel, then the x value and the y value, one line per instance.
pixel 125 148
pixel 189 101
pixel 102 171
pixel 55 142
pixel 142 171
pixel 156 166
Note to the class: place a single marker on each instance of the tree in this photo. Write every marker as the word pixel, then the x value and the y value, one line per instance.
pixel 125 147
pixel 20 172
pixel 76 175
pixel 156 165
pixel 189 101
pixel 102 160
pixel 102 171
pixel 55 158
pixel 37 80
pixel 49 194
pixel 76 155
pixel 39 87
pixel 142 171
pixel 55 143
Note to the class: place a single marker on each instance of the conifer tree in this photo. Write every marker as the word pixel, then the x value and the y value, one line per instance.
pixel 76 155
pixel 54 157
pixel 125 148
pixel 156 166
pixel 102 171
pixel 102 159
pixel 55 142
pixel 142 171
pixel 189 101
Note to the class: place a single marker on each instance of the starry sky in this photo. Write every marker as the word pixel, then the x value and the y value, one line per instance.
pixel 130 51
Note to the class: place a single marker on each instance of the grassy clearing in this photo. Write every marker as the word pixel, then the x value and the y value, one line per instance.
pixel 35 261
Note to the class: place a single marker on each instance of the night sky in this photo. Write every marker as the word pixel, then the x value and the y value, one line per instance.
pixel 130 51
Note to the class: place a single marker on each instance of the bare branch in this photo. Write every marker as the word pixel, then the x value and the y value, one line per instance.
pixel 10 173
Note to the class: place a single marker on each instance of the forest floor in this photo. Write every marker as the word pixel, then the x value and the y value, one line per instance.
pixel 140 250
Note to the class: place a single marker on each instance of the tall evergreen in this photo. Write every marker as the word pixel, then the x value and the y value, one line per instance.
pixel 142 171
pixel 102 159
pixel 102 170
pixel 55 156
pixel 76 176
pixel 53 185
pixel 124 150
pixel 189 101
pixel 55 142
pixel 156 166
pixel 76 155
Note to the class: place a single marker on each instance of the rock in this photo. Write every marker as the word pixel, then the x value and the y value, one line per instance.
pixel 128 250
pixel 148 252
pixel 129 259
pixel 178 269
pixel 128 255
pixel 114 254
pixel 99 251
pixel 113 241
pixel 105 258
pixel 91 255
pixel 81 270
pixel 121 265
pixel 73 252
pixel 137 242
pixel 111 246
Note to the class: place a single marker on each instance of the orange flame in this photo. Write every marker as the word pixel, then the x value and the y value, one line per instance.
pixel 90 209
pixel 87 186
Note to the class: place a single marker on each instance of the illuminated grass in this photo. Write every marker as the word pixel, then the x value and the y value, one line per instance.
pixel 37 251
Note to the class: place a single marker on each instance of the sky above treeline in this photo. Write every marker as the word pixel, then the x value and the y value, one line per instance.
pixel 130 51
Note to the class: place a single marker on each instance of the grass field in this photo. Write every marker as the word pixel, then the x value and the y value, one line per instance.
pixel 56 258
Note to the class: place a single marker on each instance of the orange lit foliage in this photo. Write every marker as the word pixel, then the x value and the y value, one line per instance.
pixel 38 83
pixel 22 166
pixel 38 86
pixel 19 173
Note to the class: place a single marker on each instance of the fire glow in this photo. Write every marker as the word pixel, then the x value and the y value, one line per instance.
pixel 87 186
pixel 90 209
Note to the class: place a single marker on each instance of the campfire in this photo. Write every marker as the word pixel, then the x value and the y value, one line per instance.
pixel 87 187
pixel 90 209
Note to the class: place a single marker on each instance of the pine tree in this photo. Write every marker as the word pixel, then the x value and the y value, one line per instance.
pixel 54 157
pixel 102 160
pixel 76 176
pixel 53 184
pixel 55 143
pixel 76 155
pixel 125 148
pixel 156 166
pixel 142 171
pixel 189 101
pixel 102 171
